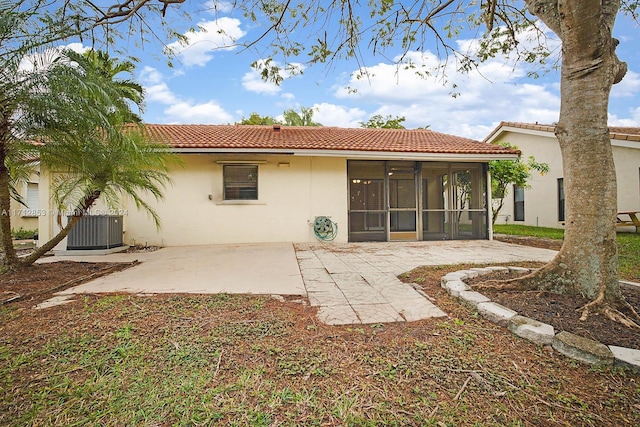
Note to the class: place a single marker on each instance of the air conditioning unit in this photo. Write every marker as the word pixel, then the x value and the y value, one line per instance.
pixel 96 232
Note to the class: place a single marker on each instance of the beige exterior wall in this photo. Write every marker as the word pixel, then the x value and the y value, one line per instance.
pixel 541 200
pixel 292 191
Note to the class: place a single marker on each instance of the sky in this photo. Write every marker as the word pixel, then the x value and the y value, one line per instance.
pixel 210 82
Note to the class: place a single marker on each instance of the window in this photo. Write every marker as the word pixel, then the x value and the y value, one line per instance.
pixel 240 182
pixel 518 203
pixel 32 200
pixel 560 199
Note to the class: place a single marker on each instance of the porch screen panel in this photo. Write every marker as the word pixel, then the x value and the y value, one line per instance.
pixel 435 196
pixel 454 201
pixel 402 199
pixel 468 191
pixel 367 212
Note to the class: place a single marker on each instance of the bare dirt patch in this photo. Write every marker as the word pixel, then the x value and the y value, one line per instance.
pixel 39 281
pixel 538 242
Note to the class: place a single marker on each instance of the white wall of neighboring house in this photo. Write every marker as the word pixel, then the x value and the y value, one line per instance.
pixel 26 217
pixel 541 200
pixel 292 191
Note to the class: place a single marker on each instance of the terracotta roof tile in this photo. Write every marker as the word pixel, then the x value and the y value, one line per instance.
pixel 232 137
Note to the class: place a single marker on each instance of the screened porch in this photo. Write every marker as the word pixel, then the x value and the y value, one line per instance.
pixel 410 201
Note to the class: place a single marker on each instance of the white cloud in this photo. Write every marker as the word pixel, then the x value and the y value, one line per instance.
pixel 77 47
pixel 189 112
pixel 252 81
pixel 632 121
pixel 464 105
pixel 42 60
pixel 180 110
pixel 219 34
pixel 628 87
pixel 338 115
pixel 156 90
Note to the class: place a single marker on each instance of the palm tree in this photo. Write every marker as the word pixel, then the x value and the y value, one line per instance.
pixel 108 68
pixel 80 112
pixel 303 118
pixel 91 164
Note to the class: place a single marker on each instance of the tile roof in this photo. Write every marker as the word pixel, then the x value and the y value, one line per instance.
pixel 615 132
pixel 234 137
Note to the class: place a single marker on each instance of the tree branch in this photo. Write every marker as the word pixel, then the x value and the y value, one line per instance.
pixel 548 12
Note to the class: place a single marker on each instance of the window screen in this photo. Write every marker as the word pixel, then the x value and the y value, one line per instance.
pixel 240 182
pixel 560 199
pixel 518 203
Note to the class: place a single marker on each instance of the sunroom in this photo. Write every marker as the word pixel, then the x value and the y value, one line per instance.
pixel 410 201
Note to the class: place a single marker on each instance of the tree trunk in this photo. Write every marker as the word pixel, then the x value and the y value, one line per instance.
pixel 10 257
pixel 86 204
pixel 587 263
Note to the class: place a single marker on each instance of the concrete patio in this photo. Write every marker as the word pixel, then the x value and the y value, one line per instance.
pixel 349 283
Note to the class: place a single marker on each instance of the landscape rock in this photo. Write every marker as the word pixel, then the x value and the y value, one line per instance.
pixel 454 287
pixel 583 349
pixel 496 313
pixel 628 357
pixel 531 329
pixel 472 298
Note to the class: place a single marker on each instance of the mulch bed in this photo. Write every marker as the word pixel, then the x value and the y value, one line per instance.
pixel 561 312
pixel 537 242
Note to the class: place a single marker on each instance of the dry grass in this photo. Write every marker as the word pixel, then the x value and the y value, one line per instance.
pixel 249 360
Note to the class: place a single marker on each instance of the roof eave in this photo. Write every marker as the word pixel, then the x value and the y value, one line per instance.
pixel 360 155
pixel 503 127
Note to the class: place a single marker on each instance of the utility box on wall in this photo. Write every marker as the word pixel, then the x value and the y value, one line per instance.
pixel 96 232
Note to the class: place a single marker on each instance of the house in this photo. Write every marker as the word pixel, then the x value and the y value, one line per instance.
pixel 25 215
pixel 543 204
pixel 242 184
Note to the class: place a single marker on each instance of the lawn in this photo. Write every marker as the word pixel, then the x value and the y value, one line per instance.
pixel 628 246
pixel 243 360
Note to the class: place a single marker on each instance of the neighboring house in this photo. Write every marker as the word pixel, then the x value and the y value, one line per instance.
pixel 241 184
pixel 22 216
pixel 543 204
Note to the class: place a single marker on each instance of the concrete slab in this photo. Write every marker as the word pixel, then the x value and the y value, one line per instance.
pixel 327 299
pixel 52 302
pixel 349 283
pixel 377 313
pixel 338 315
pixel 583 349
pixel 496 313
pixel 454 287
pixel 269 268
pixel 366 274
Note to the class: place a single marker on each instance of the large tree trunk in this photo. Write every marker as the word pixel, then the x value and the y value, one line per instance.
pixel 587 264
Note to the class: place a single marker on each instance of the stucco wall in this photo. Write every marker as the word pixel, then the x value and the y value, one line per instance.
pixel 21 216
pixel 541 200
pixel 291 192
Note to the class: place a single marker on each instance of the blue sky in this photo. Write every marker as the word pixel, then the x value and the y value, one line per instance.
pixel 212 85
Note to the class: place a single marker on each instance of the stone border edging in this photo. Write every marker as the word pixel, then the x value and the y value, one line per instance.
pixel 566 343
